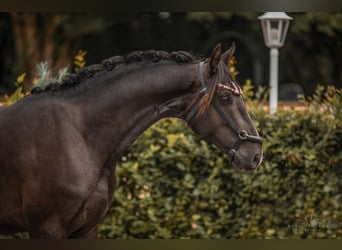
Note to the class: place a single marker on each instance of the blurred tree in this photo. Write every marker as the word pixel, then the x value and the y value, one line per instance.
pixel 49 37
pixel 143 31
pixel 314 49
pixel 311 53
pixel 6 51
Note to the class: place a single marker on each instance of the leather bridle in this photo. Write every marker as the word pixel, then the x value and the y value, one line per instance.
pixel 243 136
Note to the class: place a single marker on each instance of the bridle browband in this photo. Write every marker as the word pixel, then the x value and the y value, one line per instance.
pixel 242 134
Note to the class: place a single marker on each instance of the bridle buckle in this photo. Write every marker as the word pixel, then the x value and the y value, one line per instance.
pixel 243 135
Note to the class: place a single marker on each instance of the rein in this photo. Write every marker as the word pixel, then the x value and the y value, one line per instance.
pixel 242 134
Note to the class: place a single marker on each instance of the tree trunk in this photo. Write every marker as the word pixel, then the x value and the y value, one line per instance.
pixel 34 42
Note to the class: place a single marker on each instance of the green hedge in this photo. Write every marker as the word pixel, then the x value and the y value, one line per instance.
pixel 172 184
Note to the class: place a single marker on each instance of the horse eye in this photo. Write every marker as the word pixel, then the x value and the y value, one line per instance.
pixel 226 99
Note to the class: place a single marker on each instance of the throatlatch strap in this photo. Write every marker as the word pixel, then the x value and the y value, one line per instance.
pixel 202 79
pixel 202 91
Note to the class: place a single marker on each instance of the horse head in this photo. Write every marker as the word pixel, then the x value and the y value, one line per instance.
pixel 218 113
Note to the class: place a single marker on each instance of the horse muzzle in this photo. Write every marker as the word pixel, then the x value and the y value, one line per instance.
pixel 245 166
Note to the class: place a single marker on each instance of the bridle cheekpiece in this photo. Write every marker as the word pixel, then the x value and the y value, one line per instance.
pixel 242 134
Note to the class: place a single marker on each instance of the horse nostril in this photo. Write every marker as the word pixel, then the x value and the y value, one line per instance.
pixel 255 161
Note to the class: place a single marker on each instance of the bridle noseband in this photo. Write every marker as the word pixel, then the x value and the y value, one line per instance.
pixel 242 134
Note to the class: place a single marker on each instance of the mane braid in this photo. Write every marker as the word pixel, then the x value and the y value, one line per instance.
pixel 111 63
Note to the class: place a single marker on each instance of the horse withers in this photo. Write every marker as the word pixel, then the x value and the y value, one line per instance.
pixel 60 145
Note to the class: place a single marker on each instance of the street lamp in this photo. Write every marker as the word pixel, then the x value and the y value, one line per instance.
pixel 274 27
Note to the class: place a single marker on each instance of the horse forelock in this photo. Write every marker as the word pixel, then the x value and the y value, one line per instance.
pixel 230 81
pixel 111 63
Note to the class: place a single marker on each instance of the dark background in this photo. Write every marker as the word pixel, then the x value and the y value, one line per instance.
pixel 312 53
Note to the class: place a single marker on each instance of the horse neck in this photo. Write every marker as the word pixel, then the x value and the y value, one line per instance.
pixel 115 115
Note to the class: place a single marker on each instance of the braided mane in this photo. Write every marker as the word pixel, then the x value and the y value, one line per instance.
pixel 110 64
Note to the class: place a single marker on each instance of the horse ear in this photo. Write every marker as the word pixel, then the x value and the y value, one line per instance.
pixel 228 54
pixel 214 59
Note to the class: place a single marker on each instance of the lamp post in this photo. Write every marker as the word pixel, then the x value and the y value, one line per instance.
pixel 274 27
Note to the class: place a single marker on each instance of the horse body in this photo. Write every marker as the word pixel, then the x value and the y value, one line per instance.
pixel 59 148
pixel 61 170
pixel 44 177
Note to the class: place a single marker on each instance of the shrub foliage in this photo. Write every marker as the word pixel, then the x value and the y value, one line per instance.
pixel 172 184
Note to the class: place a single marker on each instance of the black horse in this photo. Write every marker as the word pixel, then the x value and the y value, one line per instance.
pixel 60 145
